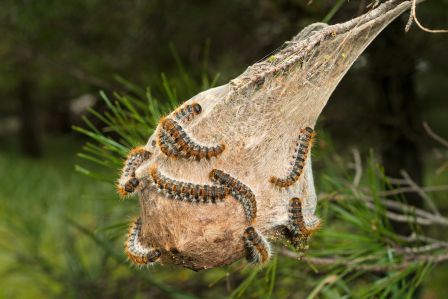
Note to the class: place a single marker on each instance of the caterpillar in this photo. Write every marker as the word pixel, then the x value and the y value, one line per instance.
pixel 258 250
pixel 300 232
pixel 166 144
pixel 135 158
pixel 240 191
pixel 180 144
pixel 303 148
pixel 188 112
pixel 136 251
pixel 187 191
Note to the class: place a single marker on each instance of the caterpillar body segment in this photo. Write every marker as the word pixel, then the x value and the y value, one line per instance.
pixel 188 112
pixel 175 142
pixel 303 148
pixel 258 250
pixel 166 145
pixel 187 191
pixel 238 190
pixel 136 252
pixel 135 158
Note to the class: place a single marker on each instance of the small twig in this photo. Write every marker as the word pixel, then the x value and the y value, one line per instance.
pixel 388 179
pixel 420 191
pixel 421 249
pixel 434 136
pixel 405 208
pixel 413 17
pixel 419 238
pixel 409 22
pixel 358 167
pixel 329 280
pixel 410 218
pixel 409 189
pixel 409 259
pixel 414 214
pixel 421 216
pixel 397 205
pixel 395 181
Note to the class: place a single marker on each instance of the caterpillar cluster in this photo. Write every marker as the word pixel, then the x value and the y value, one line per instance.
pixel 137 253
pixel 258 250
pixel 302 150
pixel 135 158
pixel 174 142
pixel 187 191
pixel 300 232
pixel 240 191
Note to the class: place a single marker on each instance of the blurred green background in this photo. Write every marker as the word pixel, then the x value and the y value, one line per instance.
pixel 62 231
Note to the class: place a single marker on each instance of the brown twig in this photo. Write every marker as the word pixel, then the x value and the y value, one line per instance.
pixel 411 218
pixel 423 217
pixel 434 136
pixel 421 192
pixel 410 189
pixel 413 214
pixel 408 260
pixel 419 238
pixel 413 17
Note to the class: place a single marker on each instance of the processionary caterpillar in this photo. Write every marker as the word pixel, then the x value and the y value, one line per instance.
pixel 135 158
pixel 180 145
pixel 239 190
pixel 299 231
pixel 303 148
pixel 258 250
pixel 135 250
pixel 187 191
pixel 188 112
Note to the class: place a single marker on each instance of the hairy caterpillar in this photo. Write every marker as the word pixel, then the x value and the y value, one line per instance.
pixel 187 191
pixel 180 144
pixel 135 158
pixel 300 232
pixel 240 191
pixel 135 250
pixel 188 112
pixel 303 147
pixel 166 144
pixel 258 250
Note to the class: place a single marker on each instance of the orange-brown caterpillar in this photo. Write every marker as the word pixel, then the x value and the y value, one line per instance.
pixel 240 191
pixel 303 148
pixel 187 191
pixel 135 250
pixel 188 112
pixel 299 231
pixel 166 144
pixel 258 250
pixel 179 144
pixel 135 158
